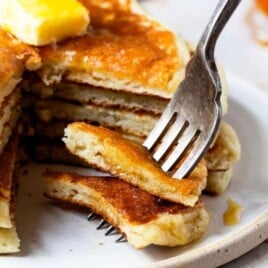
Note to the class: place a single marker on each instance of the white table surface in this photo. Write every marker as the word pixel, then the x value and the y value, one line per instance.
pixel 236 51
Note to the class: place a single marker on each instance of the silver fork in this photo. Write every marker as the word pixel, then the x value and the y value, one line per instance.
pixel 191 120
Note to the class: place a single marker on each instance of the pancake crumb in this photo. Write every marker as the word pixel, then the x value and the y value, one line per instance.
pixel 233 213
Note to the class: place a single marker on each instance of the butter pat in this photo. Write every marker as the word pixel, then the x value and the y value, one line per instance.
pixel 41 22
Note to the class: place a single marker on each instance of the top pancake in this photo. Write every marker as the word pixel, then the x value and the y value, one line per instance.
pixel 124 49
pixel 15 56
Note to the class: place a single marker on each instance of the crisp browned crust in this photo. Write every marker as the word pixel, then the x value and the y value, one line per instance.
pixel 109 151
pixel 124 50
pixel 144 219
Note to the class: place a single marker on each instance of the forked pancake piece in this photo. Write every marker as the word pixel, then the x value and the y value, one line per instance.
pixel 109 151
pixel 143 218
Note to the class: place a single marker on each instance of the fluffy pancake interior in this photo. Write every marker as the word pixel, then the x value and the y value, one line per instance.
pixel 88 94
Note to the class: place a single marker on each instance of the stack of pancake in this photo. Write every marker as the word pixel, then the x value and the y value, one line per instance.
pixel 120 75
pixel 14 57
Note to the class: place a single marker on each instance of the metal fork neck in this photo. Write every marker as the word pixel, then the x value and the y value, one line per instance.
pixel 221 15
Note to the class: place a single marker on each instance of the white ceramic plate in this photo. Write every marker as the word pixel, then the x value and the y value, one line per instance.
pixel 59 238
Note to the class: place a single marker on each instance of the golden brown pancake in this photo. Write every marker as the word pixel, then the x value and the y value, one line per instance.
pixel 9 241
pixel 9 114
pixel 226 151
pixel 221 157
pixel 7 167
pixel 84 94
pixel 15 56
pixel 144 219
pixel 131 162
pixel 125 121
pixel 124 49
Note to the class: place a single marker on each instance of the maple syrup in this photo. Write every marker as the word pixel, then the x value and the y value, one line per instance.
pixel 262 6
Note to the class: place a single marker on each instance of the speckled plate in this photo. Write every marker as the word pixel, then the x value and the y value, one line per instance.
pixel 53 237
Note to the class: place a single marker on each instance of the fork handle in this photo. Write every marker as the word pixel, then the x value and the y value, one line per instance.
pixel 221 15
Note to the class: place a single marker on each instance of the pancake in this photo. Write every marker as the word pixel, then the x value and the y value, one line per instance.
pixel 9 114
pixel 221 158
pixel 141 217
pixel 124 49
pixel 87 94
pixel 125 121
pixel 226 151
pixel 15 56
pixel 9 241
pixel 131 162
pixel 218 180
pixel 7 181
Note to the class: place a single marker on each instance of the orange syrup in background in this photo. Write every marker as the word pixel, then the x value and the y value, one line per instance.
pixel 257 19
pixel 263 6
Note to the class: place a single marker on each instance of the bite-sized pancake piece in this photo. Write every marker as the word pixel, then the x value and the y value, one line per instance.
pixel 15 56
pixel 131 162
pixel 124 49
pixel 47 147
pixel 143 218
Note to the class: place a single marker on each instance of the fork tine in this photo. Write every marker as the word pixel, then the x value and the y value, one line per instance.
pixel 168 140
pixel 189 163
pixel 159 129
pixel 91 216
pixel 121 239
pixel 103 225
pixel 186 139
pixel 111 231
